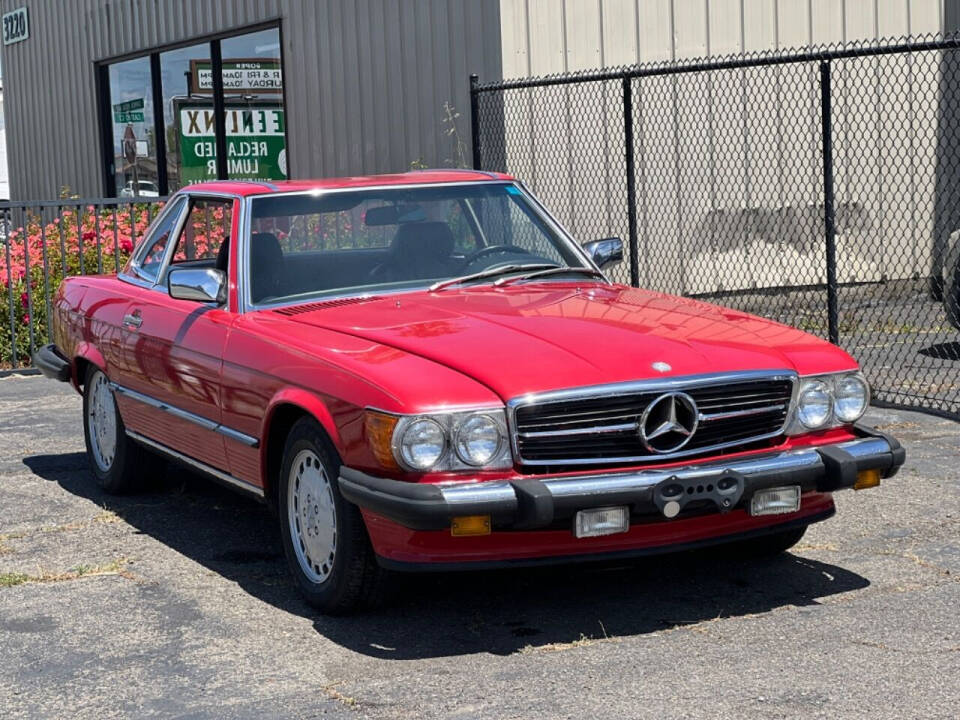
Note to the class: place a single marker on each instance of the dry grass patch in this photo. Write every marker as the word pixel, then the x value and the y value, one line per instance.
pixel 107 517
pixel 6 537
pixel 332 692
pixel 114 567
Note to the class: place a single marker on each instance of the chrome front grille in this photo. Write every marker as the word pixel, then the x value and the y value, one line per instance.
pixel 601 425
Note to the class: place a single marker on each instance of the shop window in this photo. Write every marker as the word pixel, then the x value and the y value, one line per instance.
pixel 187 117
pixel 253 98
pixel 134 161
pixel 163 125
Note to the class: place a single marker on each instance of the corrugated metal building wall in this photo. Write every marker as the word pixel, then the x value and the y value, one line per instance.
pixel 366 80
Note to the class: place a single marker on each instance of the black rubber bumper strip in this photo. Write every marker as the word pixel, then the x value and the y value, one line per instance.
pixel 52 364
pixel 530 504
pixel 418 506
pixel 842 467
pixel 897 452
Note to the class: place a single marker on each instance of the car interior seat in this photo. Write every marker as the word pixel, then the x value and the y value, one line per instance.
pixel 266 266
pixel 419 250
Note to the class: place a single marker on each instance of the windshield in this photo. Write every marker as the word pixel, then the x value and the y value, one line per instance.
pixel 305 246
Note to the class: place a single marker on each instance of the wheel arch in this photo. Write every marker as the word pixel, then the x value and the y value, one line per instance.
pixel 84 356
pixel 285 409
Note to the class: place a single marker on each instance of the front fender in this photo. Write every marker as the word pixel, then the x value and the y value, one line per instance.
pixel 309 403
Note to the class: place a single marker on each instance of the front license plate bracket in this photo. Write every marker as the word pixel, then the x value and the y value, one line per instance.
pixel 724 490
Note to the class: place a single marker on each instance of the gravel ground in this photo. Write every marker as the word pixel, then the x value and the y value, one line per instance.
pixel 176 603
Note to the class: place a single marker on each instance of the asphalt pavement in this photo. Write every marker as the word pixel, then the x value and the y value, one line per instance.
pixel 176 603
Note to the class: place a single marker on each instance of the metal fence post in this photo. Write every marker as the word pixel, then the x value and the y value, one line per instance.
pixel 833 329
pixel 475 122
pixel 632 238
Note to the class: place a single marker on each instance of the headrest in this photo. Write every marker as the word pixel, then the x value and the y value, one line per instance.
pixel 423 239
pixel 264 248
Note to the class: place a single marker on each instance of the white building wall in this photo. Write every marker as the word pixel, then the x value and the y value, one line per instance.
pixel 736 155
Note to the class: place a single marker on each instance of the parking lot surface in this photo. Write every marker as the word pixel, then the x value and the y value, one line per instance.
pixel 176 603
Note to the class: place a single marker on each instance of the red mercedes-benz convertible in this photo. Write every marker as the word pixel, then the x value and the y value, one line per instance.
pixel 425 371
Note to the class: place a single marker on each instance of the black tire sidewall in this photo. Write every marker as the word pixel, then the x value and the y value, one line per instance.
pixel 118 479
pixel 341 590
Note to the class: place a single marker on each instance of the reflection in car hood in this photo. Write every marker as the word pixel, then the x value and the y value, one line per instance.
pixel 544 336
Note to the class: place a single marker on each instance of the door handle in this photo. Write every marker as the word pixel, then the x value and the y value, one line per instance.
pixel 133 319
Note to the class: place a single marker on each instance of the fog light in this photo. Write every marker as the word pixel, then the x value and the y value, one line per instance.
pixel 470 525
pixel 776 501
pixel 601 521
pixel 867 479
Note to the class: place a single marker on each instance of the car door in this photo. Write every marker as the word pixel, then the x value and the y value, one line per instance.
pixel 171 388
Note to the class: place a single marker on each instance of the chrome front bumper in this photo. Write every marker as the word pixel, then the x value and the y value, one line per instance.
pixel 537 502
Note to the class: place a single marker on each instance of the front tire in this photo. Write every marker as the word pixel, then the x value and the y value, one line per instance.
pixel 115 460
pixel 324 537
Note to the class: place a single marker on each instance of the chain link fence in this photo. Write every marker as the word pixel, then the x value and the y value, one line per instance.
pixel 818 188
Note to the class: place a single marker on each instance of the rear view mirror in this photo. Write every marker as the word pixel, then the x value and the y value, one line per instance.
pixel 393 215
pixel 198 284
pixel 605 253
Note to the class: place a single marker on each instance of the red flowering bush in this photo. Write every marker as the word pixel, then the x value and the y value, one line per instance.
pixel 35 258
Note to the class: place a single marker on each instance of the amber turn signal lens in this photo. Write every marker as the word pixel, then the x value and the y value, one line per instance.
pixel 470 525
pixel 867 479
pixel 379 430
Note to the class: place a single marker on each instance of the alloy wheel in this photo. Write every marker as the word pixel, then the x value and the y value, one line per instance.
pixel 312 516
pixel 102 422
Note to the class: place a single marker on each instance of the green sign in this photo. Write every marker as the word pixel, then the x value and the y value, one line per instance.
pixel 127 117
pixel 130 111
pixel 256 143
pixel 136 104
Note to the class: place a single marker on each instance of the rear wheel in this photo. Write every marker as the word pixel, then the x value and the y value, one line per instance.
pixel 324 537
pixel 115 460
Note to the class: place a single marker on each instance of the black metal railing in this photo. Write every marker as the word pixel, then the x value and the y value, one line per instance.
pixel 43 242
pixel 819 187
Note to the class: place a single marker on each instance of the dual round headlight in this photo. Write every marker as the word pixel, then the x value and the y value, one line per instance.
pixel 851 395
pixel 477 440
pixel 840 398
pixel 474 439
pixel 422 444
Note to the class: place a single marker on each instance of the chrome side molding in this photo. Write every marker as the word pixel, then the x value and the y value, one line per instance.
pixel 199 420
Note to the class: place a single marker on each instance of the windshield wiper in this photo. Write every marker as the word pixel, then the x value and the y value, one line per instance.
pixel 491 272
pixel 550 271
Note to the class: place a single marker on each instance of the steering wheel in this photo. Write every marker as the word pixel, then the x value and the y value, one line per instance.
pixel 492 250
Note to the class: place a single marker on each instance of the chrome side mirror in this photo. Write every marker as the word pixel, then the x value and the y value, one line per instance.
pixel 199 284
pixel 605 253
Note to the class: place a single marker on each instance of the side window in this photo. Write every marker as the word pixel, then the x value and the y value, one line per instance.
pixel 150 257
pixel 204 233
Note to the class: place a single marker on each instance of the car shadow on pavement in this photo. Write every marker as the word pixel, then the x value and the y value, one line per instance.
pixel 444 614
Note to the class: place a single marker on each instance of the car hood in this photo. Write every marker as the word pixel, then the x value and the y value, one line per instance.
pixel 547 336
